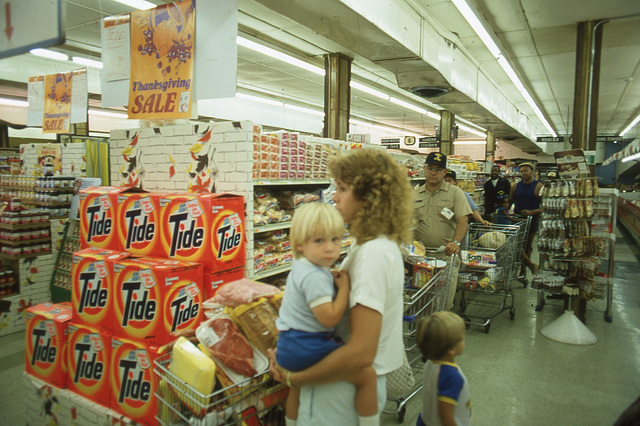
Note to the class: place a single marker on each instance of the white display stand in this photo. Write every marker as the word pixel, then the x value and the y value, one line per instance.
pixel 569 329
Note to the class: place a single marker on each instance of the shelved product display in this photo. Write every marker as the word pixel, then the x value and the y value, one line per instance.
pixel 575 238
pixel 62 273
pixel 629 213
pixel 470 176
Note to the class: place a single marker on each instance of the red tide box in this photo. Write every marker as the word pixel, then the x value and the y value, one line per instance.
pixel 204 228
pixel 98 211
pixel 88 362
pixel 133 383
pixel 156 297
pixel 138 223
pixel 46 342
pixel 92 287
pixel 215 280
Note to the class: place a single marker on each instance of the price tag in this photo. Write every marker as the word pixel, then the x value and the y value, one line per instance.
pixel 51 328
pixel 147 278
pixel 192 290
pixel 143 359
pixel 194 208
pixel 101 269
pixel 105 202
pixel 96 342
pixel 235 220
pixel 147 205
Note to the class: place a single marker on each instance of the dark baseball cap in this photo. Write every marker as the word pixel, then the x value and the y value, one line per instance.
pixel 450 173
pixel 437 159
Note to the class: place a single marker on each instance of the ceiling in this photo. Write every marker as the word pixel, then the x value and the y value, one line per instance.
pixel 397 45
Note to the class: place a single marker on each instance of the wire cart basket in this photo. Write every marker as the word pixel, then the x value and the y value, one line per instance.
pixel 492 260
pixel 255 401
pixel 427 283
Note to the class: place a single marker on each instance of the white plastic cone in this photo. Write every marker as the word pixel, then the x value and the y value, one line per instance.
pixel 569 329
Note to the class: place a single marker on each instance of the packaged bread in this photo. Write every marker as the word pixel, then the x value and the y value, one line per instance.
pixel 258 322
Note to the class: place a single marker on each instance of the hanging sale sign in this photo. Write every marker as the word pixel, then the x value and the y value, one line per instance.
pixel 162 46
pixel 57 103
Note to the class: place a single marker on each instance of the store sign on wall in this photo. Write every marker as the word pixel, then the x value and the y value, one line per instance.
pixel 162 57
pixel 428 142
pixel 390 143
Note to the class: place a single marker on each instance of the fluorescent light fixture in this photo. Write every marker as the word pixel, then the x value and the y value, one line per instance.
pixel 137 4
pixel 259 99
pixel 469 142
pixel 49 54
pixel 630 126
pixel 477 26
pixel 305 110
pixel 100 113
pixel 473 130
pixel 433 115
pixel 278 55
pixel 87 62
pixel 506 67
pixel 369 90
pixel 631 157
pixel 14 102
pixel 407 105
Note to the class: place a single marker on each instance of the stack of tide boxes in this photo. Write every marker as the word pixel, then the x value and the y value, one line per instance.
pixel 148 262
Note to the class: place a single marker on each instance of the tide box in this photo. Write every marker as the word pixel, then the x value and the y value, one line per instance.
pixel 203 228
pixel 46 342
pixel 98 212
pixel 132 381
pixel 92 287
pixel 88 362
pixel 156 297
pixel 138 223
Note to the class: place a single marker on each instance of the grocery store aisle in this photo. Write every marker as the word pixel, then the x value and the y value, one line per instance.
pixel 520 378
pixel 517 376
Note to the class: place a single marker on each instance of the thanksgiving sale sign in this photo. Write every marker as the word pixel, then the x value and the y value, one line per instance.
pixel 162 47
pixel 57 103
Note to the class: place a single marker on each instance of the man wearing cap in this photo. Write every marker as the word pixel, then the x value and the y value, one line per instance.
pixel 526 196
pixel 451 177
pixel 495 187
pixel 441 214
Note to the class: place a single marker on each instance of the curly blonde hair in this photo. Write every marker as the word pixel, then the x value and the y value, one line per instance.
pixel 383 186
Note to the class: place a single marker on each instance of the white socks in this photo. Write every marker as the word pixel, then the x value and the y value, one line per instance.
pixel 289 422
pixel 369 421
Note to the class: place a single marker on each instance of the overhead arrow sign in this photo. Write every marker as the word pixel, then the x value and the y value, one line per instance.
pixel 8 30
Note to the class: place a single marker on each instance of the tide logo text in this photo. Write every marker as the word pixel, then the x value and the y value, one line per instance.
pixel 87 368
pixel 99 225
pixel 139 230
pixel 184 233
pixel 228 239
pixel 182 313
pixel 92 295
pixel 139 309
pixel 42 349
pixel 133 386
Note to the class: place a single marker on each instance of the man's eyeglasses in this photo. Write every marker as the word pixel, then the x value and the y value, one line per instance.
pixel 434 170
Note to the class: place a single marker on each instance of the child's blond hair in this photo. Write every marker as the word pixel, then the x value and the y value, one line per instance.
pixel 438 333
pixel 314 220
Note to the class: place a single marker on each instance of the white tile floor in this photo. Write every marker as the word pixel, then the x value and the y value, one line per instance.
pixel 517 376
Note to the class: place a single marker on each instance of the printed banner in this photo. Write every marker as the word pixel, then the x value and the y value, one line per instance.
pixel 57 103
pixel 49 159
pixel 162 46
pixel 79 97
pixel 115 47
pixel 35 96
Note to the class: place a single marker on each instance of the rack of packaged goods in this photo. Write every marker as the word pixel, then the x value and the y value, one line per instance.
pixel 24 233
pixel 51 193
pixel 576 241
pixel 274 204
pixel 63 269
pixel 629 213
pixel 471 176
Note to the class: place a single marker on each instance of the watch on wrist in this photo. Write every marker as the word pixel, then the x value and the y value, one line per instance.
pixel 457 243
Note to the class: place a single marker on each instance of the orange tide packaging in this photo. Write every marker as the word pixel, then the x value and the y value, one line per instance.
pixel 156 297
pixel 92 287
pixel 138 223
pixel 46 342
pixel 204 228
pixel 132 381
pixel 88 363
pixel 98 212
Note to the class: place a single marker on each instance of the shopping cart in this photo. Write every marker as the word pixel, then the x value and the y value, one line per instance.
pixel 427 283
pixel 488 269
pixel 523 223
pixel 257 400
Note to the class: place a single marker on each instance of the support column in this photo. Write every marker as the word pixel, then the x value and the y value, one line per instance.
pixel 587 84
pixel 81 129
pixel 446 125
pixel 490 154
pixel 337 96
pixel 4 136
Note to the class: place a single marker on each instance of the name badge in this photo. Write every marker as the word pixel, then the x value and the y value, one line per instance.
pixel 446 212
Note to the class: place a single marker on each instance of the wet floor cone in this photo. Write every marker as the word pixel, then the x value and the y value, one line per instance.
pixel 569 329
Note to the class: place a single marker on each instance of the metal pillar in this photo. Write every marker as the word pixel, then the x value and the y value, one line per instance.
pixel 337 96
pixel 587 85
pixel 490 154
pixel 446 126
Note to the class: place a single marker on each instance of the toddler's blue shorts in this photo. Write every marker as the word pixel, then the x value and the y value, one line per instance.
pixel 298 350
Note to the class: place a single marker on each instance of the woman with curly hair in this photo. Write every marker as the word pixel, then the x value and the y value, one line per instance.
pixel 374 198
